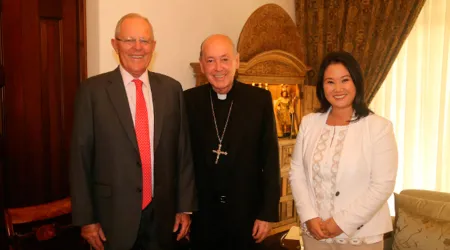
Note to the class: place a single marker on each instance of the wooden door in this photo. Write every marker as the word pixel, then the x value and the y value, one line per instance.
pixel 44 61
pixel 3 239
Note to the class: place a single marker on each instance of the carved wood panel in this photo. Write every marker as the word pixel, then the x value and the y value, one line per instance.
pixel 288 215
pixel 269 28
pixel 3 234
pixel 43 70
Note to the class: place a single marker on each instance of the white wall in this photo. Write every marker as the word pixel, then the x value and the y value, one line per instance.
pixel 179 26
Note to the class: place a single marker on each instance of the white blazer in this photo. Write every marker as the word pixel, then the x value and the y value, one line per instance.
pixel 365 178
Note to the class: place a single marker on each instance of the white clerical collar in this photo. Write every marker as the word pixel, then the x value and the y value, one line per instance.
pixel 221 96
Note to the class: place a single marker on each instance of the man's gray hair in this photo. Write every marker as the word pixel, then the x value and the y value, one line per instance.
pixel 132 15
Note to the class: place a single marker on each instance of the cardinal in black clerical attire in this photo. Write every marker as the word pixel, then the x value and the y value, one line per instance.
pixel 235 147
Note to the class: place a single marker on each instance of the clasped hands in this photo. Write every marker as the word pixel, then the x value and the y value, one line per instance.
pixel 321 229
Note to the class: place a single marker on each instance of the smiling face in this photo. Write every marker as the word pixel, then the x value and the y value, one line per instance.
pixel 219 62
pixel 338 86
pixel 135 45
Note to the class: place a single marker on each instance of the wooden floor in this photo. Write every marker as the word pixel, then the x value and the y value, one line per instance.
pixel 273 242
pixel 270 243
pixel 68 243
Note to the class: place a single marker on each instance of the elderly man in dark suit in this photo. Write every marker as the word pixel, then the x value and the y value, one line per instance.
pixel 132 179
pixel 235 151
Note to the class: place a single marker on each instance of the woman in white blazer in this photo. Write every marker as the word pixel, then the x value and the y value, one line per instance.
pixel 344 164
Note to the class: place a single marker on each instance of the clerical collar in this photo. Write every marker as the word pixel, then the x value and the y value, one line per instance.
pixel 226 96
pixel 221 96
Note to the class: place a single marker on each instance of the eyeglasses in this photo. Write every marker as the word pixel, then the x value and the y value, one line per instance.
pixel 132 41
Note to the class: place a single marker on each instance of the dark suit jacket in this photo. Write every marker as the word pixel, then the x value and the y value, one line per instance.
pixel 105 167
pixel 254 182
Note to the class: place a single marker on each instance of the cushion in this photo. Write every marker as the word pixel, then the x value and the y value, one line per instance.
pixel 421 224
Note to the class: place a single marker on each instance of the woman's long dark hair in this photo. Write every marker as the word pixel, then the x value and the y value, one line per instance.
pixel 359 105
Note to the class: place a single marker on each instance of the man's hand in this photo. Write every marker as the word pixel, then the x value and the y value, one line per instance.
pixel 261 230
pixel 94 235
pixel 331 228
pixel 184 220
pixel 315 228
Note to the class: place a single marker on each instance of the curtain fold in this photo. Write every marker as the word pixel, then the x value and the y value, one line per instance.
pixel 372 30
pixel 416 98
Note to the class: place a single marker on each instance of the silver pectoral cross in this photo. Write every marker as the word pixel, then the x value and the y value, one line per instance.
pixel 219 152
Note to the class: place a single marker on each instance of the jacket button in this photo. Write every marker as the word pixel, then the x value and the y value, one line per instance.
pixel 337 193
pixel 139 190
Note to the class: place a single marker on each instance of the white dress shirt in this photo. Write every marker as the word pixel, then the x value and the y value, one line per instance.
pixel 130 88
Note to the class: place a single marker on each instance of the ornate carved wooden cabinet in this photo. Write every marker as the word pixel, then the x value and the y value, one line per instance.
pixel 288 214
pixel 276 70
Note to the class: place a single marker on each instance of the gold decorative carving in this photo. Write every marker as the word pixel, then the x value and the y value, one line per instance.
pixel 272 68
pixel 274 63
pixel 287 154
pixel 269 28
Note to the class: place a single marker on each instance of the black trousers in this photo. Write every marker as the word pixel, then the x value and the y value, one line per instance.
pixel 212 229
pixel 147 238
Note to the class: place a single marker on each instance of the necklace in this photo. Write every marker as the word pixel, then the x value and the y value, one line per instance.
pixel 219 151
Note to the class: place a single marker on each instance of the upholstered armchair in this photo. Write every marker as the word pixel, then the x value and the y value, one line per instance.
pixel 422 221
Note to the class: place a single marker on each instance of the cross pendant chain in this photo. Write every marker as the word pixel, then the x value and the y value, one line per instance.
pixel 219 152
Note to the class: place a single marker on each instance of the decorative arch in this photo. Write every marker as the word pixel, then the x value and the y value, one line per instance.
pixel 269 28
pixel 274 64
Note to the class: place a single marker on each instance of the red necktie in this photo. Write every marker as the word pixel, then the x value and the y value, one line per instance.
pixel 143 140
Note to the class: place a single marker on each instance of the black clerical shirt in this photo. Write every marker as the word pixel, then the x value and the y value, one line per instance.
pixel 221 172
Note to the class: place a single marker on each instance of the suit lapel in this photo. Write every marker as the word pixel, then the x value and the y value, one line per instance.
pixel 237 122
pixel 158 106
pixel 204 114
pixel 117 94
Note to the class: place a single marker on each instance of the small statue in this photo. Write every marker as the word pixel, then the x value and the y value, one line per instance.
pixel 285 114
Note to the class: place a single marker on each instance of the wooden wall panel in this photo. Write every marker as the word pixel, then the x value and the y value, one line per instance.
pixel 74 67
pixel 42 65
pixel 15 110
pixel 50 8
pixel 52 94
pixel 2 84
pixel 3 235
